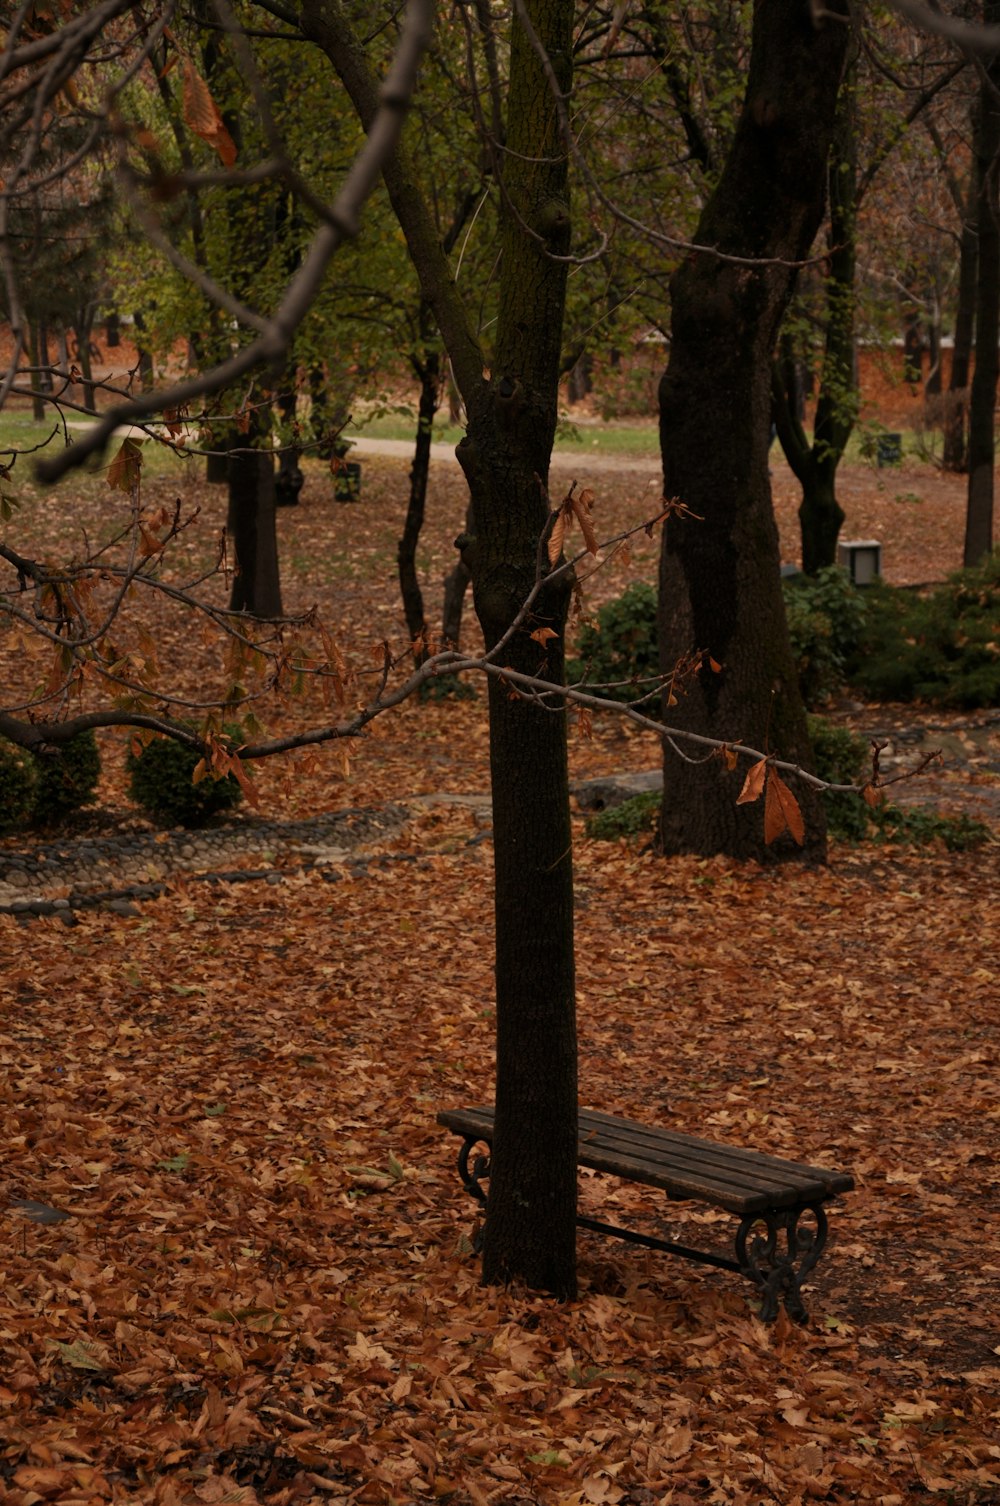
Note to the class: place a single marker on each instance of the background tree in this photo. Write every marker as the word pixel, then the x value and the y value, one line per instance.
pixel 719 574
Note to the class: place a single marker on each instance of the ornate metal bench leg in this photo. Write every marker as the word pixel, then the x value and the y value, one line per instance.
pixel 778 1272
pixel 472 1176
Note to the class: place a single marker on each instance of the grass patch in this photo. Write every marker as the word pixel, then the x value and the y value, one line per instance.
pixel 600 438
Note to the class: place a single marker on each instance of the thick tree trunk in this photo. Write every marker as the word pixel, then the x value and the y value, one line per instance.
pixel 983 397
pixel 251 521
pixel 531 1216
pixel 720 587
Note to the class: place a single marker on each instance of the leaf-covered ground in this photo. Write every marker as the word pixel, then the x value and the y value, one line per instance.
pixel 265 1291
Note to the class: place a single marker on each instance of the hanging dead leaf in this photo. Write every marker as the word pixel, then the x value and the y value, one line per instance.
pixel 581 506
pixel 873 796
pixel 729 757
pixel 753 785
pixel 201 115
pixel 781 810
pixel 556 537
pixel 543 634
pixel 125 468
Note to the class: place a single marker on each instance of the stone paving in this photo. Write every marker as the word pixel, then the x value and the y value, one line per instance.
pixel 112 871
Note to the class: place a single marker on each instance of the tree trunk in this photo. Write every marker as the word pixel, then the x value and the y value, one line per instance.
pixel 530 1231
pixel 35 357
pixel 983 397
pixel 720 586
pixel 251 521
pixel 428 370
pixel 456 583
pixel 815 465
pixel 955 455
pixel 83 329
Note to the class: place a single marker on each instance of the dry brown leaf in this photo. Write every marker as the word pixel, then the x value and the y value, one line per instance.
pixel 753 785
pixel 201 115
pixel 781 810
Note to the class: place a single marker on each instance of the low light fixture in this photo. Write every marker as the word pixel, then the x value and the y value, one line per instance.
pixel 861 558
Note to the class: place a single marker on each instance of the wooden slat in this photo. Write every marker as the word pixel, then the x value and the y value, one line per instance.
pixel 684 1166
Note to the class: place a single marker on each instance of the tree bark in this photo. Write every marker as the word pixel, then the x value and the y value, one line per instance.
pixel 983 397
pixel 815 465
pixel 251 521
pixel 955 455
pixel 720 585
pixel 530 1231
pixel 428 370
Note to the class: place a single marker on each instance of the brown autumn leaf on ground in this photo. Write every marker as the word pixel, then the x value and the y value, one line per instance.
pixel 264 1290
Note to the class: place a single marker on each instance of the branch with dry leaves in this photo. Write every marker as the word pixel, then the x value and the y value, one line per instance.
pixel 37 65
pixel 282 655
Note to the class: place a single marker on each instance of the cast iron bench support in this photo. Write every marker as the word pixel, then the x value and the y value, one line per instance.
pixel 774 1250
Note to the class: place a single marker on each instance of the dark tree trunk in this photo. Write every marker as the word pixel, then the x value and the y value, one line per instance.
pixel 35 357
pixel 428 370
pixel 932 386
pixel 530 1233
pixel 456 584
pixel 913 347
pixel 955 450
pixel 720 587
pixel 145 356
pixel 815 465
pixel 83 330
pixel 983 397
pixel 251 521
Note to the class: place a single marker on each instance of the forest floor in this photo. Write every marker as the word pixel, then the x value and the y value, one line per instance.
pixel 235 1253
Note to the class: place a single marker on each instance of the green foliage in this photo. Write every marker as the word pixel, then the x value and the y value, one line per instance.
pixel 920 828
pixel 17 786
pixel 840 758
pixel 66 779
pixel 826 616
pixel 633 818
pixel 943 648
pixel 161 781
pixel 39 790
pixel 621 651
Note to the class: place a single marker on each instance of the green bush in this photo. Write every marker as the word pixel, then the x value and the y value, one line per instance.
pixel 17 786
pixel 633 818
pixel 943 648
pixel 40 789
pixel 840 758
pixel 621 651
pixel 826 616
pixel 920 827
pixel 66 779
pixel 160 780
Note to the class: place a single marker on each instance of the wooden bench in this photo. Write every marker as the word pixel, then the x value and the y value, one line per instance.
pixel 768 1195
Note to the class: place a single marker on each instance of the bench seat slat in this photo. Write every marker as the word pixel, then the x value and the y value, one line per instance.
pixel 682 1165
pixel 655 1135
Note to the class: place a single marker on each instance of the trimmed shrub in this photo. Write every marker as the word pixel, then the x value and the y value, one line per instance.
pixel 826 616
pixel 943 648
pixel 633 818
pixel 841 758
pixel 160 780
pixel 65 779
pixel 919 827
pixel 621 648
pixel 17 786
